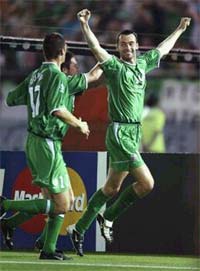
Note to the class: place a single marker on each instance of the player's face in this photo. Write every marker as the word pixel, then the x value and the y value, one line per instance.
pixel 73 67
pixel 127 45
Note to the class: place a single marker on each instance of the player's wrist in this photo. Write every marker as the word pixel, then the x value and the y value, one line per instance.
pixel 181 28
pixel 79 124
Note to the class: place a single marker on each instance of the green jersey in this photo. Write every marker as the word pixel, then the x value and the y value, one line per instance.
pixel 44 91
pixel 126 85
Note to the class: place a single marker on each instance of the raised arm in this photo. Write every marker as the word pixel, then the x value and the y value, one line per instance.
pixel 165 46
pixel 99 53
pixel 94 74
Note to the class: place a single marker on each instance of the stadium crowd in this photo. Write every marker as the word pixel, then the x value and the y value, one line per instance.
pixel 152 20
pixel 33 18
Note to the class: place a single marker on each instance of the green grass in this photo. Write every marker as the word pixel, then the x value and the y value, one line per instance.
pixel 28 261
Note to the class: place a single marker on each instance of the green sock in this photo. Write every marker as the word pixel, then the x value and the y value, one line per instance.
pixel 94 205
pixel 54 225
pixel 125 199
pixel 17 219
pixel 36 206
pixel 42 236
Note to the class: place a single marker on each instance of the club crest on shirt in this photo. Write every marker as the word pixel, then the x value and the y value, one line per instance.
pixel 61 88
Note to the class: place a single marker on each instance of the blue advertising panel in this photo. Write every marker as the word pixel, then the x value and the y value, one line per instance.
pixel 16 184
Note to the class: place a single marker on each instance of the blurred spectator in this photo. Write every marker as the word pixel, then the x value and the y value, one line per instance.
pixel 194 12
pixel 69 25
pixel 153 126
pixel 152 16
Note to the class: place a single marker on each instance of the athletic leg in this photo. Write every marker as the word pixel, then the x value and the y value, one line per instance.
pixel 113 183
pixel 53 226
pixel 140 188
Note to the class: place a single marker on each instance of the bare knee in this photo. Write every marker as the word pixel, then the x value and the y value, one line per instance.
pixel 59 209
pixel 61 202
pixel 111 191
pixel 148 186
pixel 114 182
pixel 144 188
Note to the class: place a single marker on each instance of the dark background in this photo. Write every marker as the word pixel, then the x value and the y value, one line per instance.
pixel 167 220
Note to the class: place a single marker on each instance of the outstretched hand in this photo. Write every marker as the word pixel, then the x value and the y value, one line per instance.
pixel 184 23
pixel 84 15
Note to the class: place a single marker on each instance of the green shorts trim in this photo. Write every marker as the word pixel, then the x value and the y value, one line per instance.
pixel 45 160
pixel 123 142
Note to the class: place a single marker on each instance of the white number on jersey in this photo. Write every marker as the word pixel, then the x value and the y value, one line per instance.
pixel 35 103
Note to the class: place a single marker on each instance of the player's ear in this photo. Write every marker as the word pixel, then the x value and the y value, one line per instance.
pixel 137 46
pixel 62 52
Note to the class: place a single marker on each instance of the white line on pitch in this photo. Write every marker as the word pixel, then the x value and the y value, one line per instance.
pixel 105 265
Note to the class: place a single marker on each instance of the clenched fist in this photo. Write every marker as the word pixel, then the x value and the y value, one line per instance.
pixel 184 23
pixel 84 15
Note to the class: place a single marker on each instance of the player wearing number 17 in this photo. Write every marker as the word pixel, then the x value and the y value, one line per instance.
pixel 46 93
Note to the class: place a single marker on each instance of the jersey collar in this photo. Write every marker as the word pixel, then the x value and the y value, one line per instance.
pixel 131 64
pixel 50 63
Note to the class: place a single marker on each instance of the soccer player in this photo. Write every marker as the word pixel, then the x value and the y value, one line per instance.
pixel 46 93
pixel 69 67
pixel 126 82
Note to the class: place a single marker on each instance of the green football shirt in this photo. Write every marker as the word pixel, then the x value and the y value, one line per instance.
pixel 126 85
pixel 44 91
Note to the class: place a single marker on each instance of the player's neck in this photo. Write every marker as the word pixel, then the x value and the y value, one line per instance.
pixel 132 60
pixel 56 61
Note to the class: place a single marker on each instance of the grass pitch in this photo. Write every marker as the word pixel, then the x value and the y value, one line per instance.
pixel 28 261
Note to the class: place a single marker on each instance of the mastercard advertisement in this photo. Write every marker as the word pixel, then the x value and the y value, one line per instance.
pixel 84 169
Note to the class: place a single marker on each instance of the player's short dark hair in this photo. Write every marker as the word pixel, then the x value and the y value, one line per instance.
pixel 126 32
pixel 53 44
pixel 69 55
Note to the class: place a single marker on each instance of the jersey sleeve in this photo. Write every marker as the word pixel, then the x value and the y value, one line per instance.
pixel 19 95
pixel 57 94
pixel 152 59
pixel 77 83
pixel 110 65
